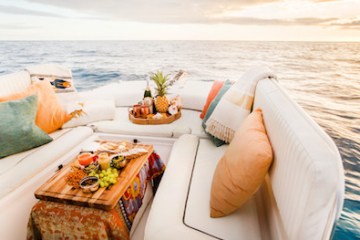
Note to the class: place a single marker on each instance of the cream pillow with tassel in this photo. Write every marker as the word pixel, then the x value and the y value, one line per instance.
pixel 236 104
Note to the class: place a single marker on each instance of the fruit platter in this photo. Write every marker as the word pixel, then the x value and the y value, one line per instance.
pixel 158 109
pixel 97 178
pixel 158 119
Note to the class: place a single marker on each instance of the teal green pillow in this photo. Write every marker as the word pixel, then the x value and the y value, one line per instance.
pixel 18 131
pixel 211 108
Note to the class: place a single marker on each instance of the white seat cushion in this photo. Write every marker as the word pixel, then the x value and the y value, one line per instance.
pixel 178 212
pixel 194 94
pixel 94 110
pixel 15 82
pixel 18 168
pixel 189 122
pixel 6 164
pixel 126 93
pixel 242 224
pixel 165 220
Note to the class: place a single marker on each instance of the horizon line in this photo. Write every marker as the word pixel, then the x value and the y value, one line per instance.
pixel 176 40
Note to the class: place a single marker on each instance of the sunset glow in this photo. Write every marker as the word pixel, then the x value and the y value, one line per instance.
pixel 262 20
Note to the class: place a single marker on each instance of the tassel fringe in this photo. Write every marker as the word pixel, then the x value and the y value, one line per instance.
pixel 219 130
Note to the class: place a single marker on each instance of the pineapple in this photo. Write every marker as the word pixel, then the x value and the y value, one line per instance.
pixel 161 104
pixel 162 84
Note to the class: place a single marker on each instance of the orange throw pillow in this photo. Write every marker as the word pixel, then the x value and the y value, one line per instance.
pixel 50 115
pixel 243 168
pixel 217 85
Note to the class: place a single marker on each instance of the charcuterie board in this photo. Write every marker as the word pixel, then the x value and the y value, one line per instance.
pixel 56 189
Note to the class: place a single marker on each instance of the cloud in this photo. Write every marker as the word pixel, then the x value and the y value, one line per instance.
pixel 283 22
pixel 170 11
pixel 325 0
pixel 353 23
pixel 179 11
pixel 24 11
pixel 313 21
pixel 348 24
pixel 15 26
pixel 155 11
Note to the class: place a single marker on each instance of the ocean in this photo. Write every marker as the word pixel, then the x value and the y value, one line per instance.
pixel 324 78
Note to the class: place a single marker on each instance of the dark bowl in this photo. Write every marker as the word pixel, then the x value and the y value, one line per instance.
pixel 89 184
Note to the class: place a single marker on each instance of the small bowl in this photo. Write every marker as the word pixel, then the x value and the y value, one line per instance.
pixel 118 161
pixel 85 158
pixel 94 166
pixel 89 184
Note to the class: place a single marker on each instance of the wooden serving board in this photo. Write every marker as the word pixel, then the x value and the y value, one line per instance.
pixel 144 121
pixel 57 190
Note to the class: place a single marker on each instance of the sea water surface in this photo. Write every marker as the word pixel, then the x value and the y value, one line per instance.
pixel 324 78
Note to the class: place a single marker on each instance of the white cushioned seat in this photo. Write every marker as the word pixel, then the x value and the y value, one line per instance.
pixel 165 219
pixel 181 208
pixel 301 197
pixel 189 123
pixel 124 93
pixel 193 94
pixel 14 82
pixel 9 162
pixel 94 110
pixel 18 168
pixel 242 224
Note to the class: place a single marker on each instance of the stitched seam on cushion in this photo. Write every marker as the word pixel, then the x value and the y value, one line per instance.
pixel 187 197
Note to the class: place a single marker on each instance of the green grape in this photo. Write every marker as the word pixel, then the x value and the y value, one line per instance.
pixel 107 177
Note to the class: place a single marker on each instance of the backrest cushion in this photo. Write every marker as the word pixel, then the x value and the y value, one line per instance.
pixel 89 111
pixel 215 88
pixel 58 76
pixel 242 169
pixel 50 115
pixel 193 94
pixel 18 131
pixel 306 177
pixel 14 82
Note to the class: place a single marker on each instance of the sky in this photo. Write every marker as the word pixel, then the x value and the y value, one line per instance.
pixel 249 20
